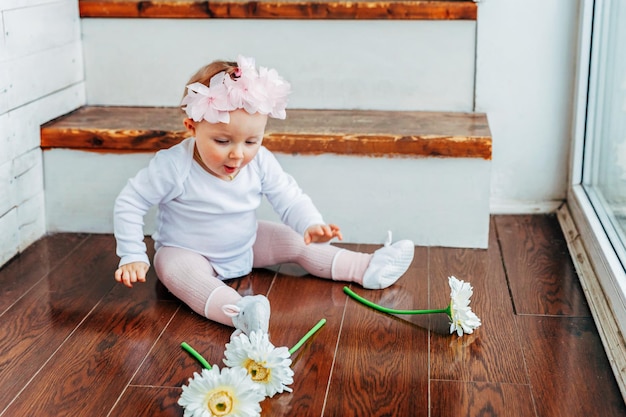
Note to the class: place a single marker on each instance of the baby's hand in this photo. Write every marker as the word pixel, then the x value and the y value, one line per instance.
pixel 132 272
pixel 322 233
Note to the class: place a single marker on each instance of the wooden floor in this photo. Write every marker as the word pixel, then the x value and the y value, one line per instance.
pixel 75 343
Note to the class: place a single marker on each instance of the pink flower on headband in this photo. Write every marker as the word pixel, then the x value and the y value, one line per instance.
pixel 277 91
pixel 263 92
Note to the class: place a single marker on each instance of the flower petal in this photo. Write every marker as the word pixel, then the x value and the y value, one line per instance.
pixel 229 389
pixel 462 318
pixel 270 367
pixel 262 91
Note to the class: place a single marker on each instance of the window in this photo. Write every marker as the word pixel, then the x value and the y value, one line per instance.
pixel 597 192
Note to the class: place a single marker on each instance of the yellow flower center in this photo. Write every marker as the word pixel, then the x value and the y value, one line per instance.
pixel 257 371
pixel 220 403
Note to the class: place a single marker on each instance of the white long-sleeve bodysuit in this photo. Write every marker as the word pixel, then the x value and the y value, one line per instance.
pixel 200 212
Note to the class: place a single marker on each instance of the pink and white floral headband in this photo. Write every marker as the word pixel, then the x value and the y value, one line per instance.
pixel 262 91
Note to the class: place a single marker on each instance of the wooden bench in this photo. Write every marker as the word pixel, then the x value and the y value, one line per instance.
pixel 281 9
pixel 312 132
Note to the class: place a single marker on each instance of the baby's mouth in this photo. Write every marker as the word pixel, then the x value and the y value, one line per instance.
pixel 230 170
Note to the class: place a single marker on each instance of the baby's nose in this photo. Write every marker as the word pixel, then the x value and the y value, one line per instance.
pixel 236 153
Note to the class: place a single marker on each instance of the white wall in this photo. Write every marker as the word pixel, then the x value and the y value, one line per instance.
pixel 525 70
pixel 41 77
pixel 331 64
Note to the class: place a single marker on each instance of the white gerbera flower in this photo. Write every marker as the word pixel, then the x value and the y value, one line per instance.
pixel 229 393
pixel 462 318
pixel 268 366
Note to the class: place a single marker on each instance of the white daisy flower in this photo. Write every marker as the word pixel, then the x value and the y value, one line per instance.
pixel 462 318
pixel 229 393
pixel 267 365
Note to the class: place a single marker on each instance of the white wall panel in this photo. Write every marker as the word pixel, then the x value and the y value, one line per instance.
pixel 28 174
pixel 19 128
pixel 7 188
pixel 20 180
pixel 3 49
pixel 55 104
pixel 26 162
pixel 34 76
pixel 6 83
pixel 15 4
pixel 9 243
pixel 23 38
pixel 41 77
pixel 7 140
pixel 31 220
pixel 525 82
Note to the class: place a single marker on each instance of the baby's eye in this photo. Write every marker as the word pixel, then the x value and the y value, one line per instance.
pixel 221 141
pixel 251 142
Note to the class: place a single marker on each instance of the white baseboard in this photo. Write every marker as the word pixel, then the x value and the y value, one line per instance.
pixel 498 206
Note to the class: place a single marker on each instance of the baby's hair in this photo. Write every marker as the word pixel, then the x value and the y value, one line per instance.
pixel 204 74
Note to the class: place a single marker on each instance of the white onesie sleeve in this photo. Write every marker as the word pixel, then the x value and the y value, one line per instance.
pixel 295 208
pixel 158 182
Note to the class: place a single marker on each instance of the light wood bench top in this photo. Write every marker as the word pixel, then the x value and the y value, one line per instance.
pixel 311 132
pixel 281 9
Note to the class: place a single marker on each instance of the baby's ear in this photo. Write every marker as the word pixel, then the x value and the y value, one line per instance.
pixel 231 310
pixel 190 125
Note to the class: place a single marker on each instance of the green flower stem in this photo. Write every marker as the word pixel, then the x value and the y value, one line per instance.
pixel 196 355
pixel 307 336
pixel 391 310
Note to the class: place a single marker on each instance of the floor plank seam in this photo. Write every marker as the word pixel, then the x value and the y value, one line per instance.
pixel 564 316
pixel 517 384
pixel 269 290
pixel 518 336
pixel 503 263
pixel 152 387
pixel 430 335
pixel 156 340
pixel 332 365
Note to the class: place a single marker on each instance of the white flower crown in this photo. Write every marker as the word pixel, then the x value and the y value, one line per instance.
pixel 262 91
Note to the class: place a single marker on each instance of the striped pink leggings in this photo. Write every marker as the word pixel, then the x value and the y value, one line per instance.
pixel 190 276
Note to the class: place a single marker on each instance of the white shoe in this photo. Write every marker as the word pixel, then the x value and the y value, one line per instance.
pixel 388 264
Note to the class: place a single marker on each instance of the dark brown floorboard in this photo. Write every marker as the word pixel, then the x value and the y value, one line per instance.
pixel 572 366
pixel 73 342
pixel 379 353
pixel 541 276
pixel 476 357
pixel 473 399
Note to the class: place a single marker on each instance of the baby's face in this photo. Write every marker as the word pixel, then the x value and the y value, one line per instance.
pixel 225 148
